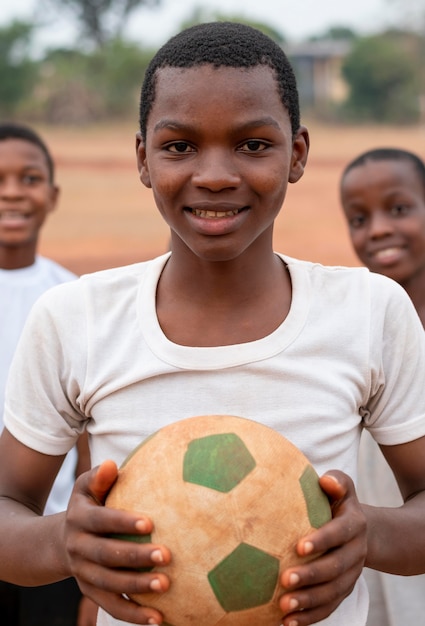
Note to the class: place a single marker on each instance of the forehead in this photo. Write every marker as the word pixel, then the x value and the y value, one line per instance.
pixel 386 174
pixel 15 151
pixel 205 90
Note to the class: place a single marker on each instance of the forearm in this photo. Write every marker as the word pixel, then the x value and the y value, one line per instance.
pixel 32 549
pixel 396 537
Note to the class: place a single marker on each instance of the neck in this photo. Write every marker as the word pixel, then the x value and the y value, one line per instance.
pixel 415 288
pixel 223 303
pixel 12 258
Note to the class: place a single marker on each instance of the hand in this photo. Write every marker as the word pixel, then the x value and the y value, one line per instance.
pixel 314 590
pixel 106 568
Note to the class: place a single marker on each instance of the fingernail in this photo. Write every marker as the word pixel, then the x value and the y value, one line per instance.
pixel 335 480
pixel 293 622
pixel 155 584
pixel 308 547
pixel 152 620
pixel 294 579
pixel 156 556
pixel 141 525
pixel 293 604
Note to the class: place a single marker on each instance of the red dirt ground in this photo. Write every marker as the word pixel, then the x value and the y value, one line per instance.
pixel 107 218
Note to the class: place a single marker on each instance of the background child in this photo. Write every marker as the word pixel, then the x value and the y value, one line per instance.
pixel 28 194
pixel 221 325
pixel 383 198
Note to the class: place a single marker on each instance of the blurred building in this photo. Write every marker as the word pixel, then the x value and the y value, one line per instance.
pixel 317 65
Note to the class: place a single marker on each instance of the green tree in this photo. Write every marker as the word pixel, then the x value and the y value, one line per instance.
pixel 101 20
pixel 17 72
pixel 336 33
pixel 78 86
pixel 383 80
pixel 201 14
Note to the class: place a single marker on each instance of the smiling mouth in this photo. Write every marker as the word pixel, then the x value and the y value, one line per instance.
pixel 387 253
pixel 208 214
pixel 13 215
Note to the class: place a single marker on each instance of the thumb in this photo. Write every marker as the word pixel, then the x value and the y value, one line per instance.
pixel 337 487
pixel 101 480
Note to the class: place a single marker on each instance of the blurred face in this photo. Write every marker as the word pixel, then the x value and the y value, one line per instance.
pixel 384 203
pixel 219 155
pixel 26 195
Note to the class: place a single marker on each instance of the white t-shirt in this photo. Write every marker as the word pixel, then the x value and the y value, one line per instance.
pixel 395 600
pixel 350 351
pixel 19 289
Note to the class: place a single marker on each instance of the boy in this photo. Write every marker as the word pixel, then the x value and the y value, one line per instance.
pixel 383 198
pixel 220 325
pixel 28 194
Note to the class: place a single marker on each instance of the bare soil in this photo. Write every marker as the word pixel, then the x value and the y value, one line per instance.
pixel 107 218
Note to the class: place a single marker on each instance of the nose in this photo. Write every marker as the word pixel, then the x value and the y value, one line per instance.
pixel 380 225
pixel 10 187
pixel 216 170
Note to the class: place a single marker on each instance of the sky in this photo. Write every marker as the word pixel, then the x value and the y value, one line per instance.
pixel 296 19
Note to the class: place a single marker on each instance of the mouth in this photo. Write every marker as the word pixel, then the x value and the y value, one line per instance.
pixel 209 214
pixel 13 215
pixel 14 220
pixel 388 255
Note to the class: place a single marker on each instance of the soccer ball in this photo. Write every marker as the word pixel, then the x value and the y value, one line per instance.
pixel 230 498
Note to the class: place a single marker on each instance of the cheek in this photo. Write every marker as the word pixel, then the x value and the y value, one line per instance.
pixel 358 239
pixel 270 182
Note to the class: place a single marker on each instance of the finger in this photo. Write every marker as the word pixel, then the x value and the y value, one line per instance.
pixel 312 604
pixel 101 480
pixel 329 568
pixel 122 581
pixel 335 485
pixel 125 609
pixel 119 553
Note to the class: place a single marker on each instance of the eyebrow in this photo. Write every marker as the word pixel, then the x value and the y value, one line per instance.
pixel 257 123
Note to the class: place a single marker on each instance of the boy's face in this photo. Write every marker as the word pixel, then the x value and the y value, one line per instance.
pixel 219 154
pixel 384 203
pixel 26 194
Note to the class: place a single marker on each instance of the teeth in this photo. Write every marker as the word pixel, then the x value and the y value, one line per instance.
pixel 388 252
pixel 214 214
pixel 11 215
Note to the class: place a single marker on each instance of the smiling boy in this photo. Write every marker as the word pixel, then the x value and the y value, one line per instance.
pixel 220 325
pixel 383 198
pixel 28 195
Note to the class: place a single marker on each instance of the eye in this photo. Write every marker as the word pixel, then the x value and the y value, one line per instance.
pixel 180 147
pixel 399 210
pixel 254 145
pixel 357 221
pixel 32 179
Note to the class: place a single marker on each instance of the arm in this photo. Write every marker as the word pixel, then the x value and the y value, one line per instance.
pixel 39 550
pixel 387 539
pixel 83 450
pixel 396 535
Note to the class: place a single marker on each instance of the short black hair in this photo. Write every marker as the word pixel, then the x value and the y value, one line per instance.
pixel 222 44
pixel 388 154
pixel 10 130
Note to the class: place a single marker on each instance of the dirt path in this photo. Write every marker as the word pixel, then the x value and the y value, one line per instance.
pixel 107 218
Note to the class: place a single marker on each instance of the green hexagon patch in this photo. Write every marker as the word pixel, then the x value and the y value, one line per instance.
pixel 246 578
pixel 219 462
pixel 318 508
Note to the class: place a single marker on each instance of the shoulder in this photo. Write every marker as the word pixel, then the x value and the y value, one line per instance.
pixel 356 292
pixel 346 279
pixel 56 272
pixel 102 290
pixel 124 276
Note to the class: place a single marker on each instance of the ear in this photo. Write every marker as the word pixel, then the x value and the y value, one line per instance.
pixel 142 162
pixel 53 199
pixel 300 148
